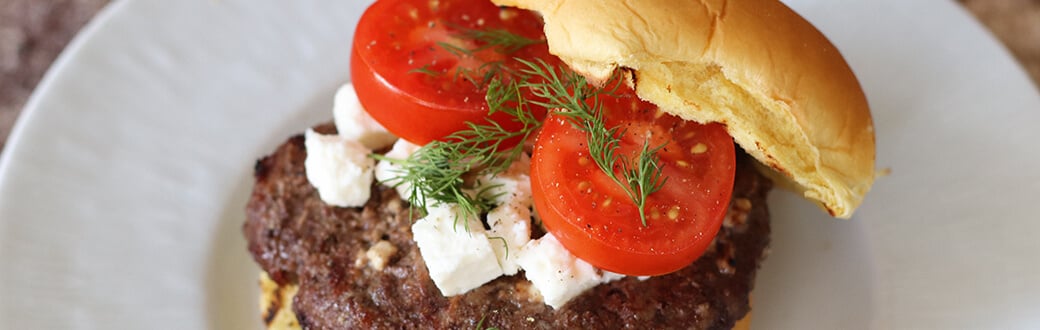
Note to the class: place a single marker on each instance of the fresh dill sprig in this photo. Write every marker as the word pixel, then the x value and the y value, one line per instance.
pixel 438 171
pixel 490 71
pixel 501 40
pixel 480 324
pixel 425 69
pixel 639 177
pixel 644 177
pixel 435 173
pixel 505 243
pixel 454 49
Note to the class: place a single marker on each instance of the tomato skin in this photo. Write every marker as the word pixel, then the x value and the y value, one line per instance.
pixel 408 117
pixel 397 38
pixel 593 217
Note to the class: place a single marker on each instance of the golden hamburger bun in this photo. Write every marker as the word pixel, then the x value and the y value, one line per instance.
pixel 782 89
pixel 276 304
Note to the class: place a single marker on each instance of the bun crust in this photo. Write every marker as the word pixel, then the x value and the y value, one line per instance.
pixel 276 304
pixel 782 89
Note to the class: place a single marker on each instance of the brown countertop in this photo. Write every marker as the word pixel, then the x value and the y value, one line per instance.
pixel 33 32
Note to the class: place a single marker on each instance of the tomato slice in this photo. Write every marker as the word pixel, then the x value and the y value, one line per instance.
pixel 415 69
pixel 593 217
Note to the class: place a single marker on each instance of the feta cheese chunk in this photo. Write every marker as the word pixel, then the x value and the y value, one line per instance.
pixel 510 221
pixel 339 168
pixel 512 184
pixel 354 123
pixel 510 230
pixel 556 273
pixel 379 254
pixel 458 260
pixel 387 172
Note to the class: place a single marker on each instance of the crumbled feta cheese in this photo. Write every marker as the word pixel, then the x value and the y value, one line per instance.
pixel 556 273
pixel 463 256
pixel 510 221
pixel 510 229
pixel 612 276
pixel 354 123
pixel 379 254
pixel 387 172
pixel 458 256
pixel 512 184
pixel 339 169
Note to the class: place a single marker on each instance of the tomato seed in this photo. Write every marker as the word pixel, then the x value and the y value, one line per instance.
pixel 699 149
pixel 673 213
pixel 585 186
pixel 507 14
pixel 583 160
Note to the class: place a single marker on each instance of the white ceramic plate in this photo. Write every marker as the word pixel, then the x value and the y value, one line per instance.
pixel 122 187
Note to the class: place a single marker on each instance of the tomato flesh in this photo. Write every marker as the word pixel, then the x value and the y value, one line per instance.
pixel 593 217
pixel 416 86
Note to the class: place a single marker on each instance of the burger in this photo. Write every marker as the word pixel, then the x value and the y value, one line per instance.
pixel 555 164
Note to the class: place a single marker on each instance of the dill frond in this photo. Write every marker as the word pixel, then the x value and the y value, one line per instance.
pixel 437 172
pixel 425 69
pixel 502 41
pixel 640 176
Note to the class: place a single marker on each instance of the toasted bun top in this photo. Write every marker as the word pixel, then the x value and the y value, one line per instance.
pixel 782 89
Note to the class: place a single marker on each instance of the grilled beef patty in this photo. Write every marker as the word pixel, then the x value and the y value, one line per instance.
pixel 298 239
